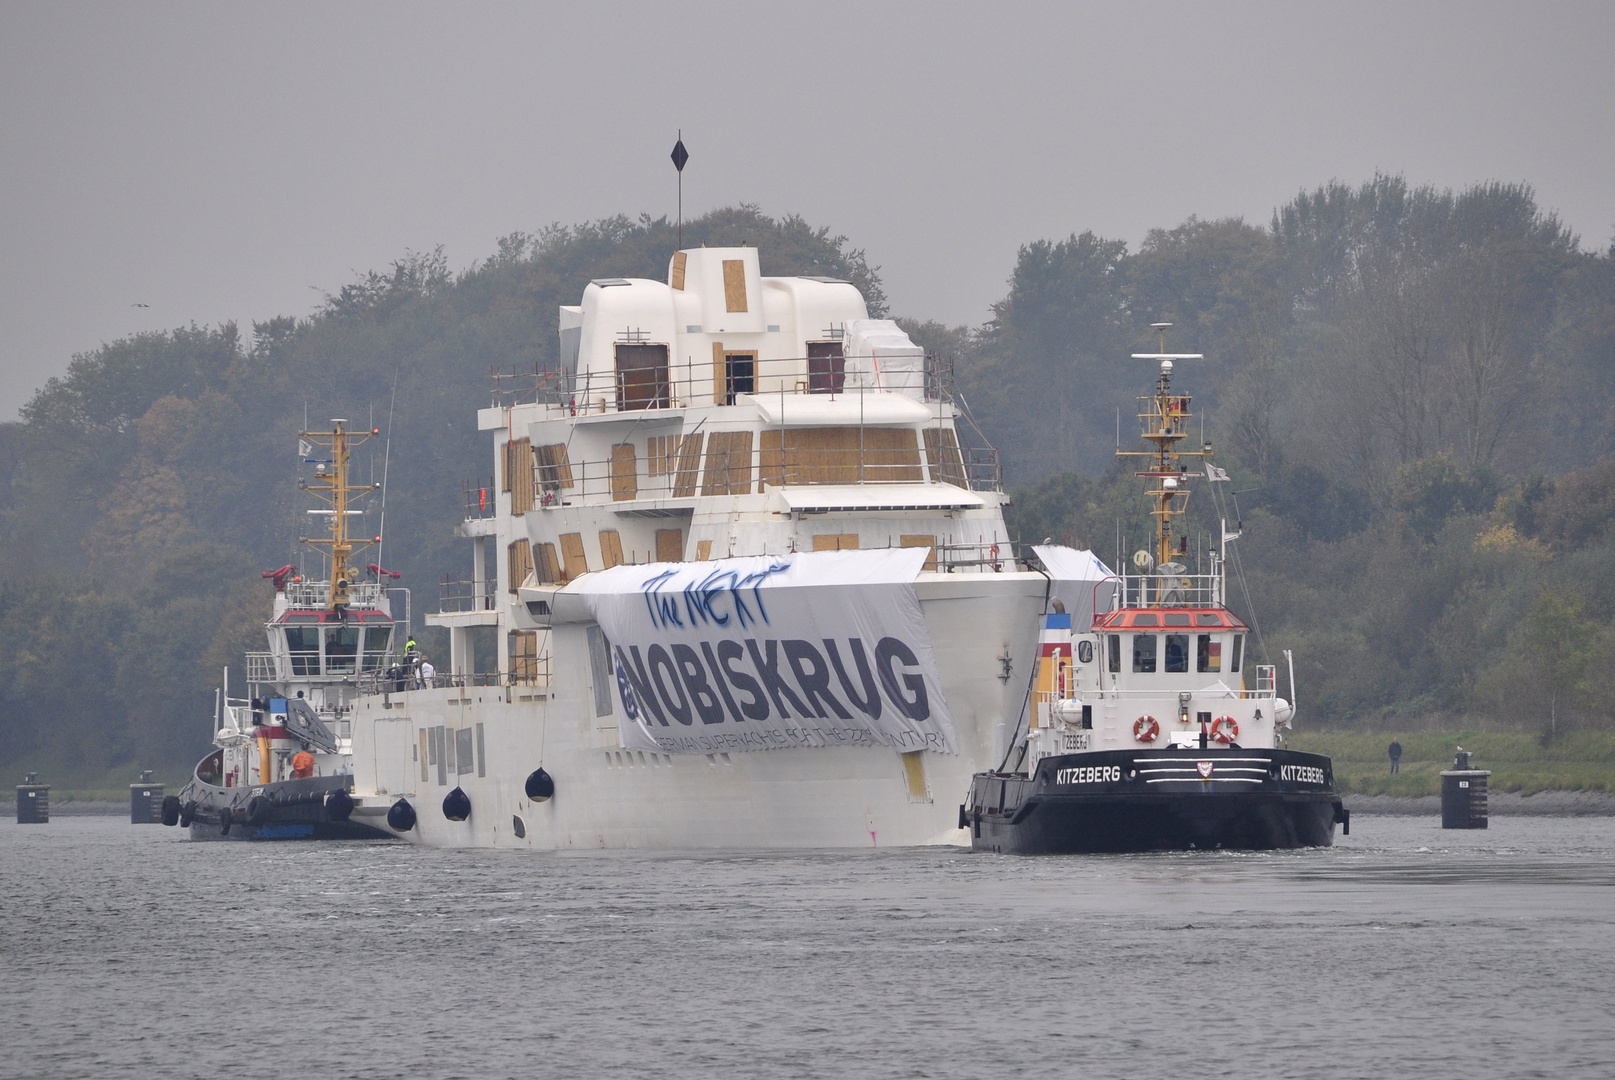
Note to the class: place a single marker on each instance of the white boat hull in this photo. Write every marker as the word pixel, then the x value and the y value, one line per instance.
pixel 607 797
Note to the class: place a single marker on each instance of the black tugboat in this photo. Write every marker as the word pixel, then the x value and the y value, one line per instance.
pixel 1149 729
pixel 283 764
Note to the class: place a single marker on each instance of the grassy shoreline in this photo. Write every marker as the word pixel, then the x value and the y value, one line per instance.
pixel 1576 761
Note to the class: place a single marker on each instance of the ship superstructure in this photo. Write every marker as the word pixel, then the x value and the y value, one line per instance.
pixel 736 581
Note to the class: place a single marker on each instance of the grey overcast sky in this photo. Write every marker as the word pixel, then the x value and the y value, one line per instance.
pixel 230 161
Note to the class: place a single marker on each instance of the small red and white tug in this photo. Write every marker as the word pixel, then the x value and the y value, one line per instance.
pixel 282 767
pixel 1148 725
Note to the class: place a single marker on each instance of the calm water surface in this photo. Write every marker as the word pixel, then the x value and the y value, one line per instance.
pixel 132 952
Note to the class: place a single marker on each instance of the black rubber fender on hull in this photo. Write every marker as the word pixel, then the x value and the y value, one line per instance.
pixel 401 816
pixel 457 805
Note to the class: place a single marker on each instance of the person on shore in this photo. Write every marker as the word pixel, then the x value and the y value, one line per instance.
pixel 1396 756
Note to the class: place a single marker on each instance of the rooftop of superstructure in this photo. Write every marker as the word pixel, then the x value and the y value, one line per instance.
pixel 721 350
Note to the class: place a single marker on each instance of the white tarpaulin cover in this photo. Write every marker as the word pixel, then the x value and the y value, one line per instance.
pixel 879 355
pixel 811 649
pixel 1075 574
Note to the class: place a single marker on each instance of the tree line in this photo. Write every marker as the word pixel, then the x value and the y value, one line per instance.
pixel 1414 393
pixel 1412 388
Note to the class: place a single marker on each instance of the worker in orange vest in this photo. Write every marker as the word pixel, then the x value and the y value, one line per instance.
pixel 302 765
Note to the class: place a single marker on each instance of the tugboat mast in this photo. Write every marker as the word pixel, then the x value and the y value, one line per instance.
pixel 330 483
pixel 1164 417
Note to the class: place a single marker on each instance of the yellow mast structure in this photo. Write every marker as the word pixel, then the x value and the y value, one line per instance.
pixel 330 483
pixel 1164 418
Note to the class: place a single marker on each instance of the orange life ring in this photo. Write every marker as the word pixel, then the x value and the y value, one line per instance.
pixel 1225 729
pixel 1145 729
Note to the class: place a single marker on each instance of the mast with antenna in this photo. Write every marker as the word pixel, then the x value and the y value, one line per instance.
pixel 330 483
pixel 1164 417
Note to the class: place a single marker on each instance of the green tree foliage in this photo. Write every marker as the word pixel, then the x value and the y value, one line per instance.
pixel 1412 389
pixel 1394 374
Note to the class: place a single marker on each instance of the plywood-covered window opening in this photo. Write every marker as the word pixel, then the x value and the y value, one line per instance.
pixel 734 285
pixel 518 478
pixel 554 467
pixel 689 467
pixel 642 377
pixel 624 472
pixel 669 545
pixel 728 469
pixel 518 563
pixel 912 540
pixel 523 653
pixel 573 561
pixel 546 567
pixel 610 548
pixel 840 455
pixel 661 455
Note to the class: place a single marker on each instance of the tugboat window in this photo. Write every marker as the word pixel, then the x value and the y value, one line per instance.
pixel 1115 653
pixel 1208 654
pixel 1084 652
pixel 1144 652
pixel 1239 648
pixel 1177 652
pixel 304 643
pixel 341 649
pixel 375 646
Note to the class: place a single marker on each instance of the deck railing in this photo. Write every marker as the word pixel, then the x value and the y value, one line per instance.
pixel 480 497
pixel 1267 682
pixel 1168 590
pixel 685 381
pixel 464 594
pixel 744 471
pixel 268 667
pixel 533 673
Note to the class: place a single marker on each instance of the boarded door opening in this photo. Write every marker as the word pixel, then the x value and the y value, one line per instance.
pixel 669 545
pixel 642 379
pixel 740 375
pixel 827 367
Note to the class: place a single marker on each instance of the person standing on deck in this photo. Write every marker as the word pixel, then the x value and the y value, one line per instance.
pixel 1396 756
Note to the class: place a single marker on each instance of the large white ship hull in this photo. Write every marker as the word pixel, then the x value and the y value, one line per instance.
pixel 983 630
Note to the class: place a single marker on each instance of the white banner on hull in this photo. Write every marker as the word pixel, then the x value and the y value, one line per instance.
pixel 811 649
